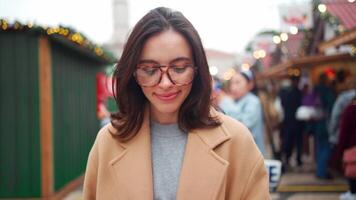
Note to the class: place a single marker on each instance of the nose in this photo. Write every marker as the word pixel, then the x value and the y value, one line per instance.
pixel 165 81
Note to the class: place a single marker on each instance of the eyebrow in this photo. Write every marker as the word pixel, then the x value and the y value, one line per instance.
pixel 180 59
pixel 170 62
pixel 148 61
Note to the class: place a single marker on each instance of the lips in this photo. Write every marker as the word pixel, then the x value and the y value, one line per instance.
pixel 167 96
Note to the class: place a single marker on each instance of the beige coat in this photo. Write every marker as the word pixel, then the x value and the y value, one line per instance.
pixel 219 163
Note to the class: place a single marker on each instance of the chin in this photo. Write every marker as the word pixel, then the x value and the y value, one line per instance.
pixel 167 109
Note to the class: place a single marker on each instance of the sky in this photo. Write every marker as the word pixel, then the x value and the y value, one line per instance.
pixel 225 25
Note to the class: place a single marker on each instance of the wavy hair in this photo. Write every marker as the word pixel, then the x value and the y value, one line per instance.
pixel 195 110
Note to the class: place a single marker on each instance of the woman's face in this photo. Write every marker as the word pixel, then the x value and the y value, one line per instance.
pixel 239 86
pixel 165 98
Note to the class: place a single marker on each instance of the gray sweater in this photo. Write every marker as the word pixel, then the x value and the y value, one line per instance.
pixel 168 146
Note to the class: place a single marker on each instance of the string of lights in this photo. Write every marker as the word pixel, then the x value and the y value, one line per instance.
pixel 64 32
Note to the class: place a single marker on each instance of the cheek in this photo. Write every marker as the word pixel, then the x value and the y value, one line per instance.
pixel 146 91
pixel 238 89
pixel 185 92
pixel 187 89
pixel 235 88
pixel 243 89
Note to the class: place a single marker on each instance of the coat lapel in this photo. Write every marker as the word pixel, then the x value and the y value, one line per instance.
pixel 202 174
pixel 132 167
pixel 203 171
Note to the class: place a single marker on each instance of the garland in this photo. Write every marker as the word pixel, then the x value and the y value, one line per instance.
pixel 64 32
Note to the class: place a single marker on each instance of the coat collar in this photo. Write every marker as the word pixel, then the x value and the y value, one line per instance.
pixel 202 173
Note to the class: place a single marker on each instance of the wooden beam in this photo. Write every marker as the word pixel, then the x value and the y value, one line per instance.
pixel 45 83
pixel 346 38
pixel 309 61
pixel 70 187
pixel 274 70
pixel 302 62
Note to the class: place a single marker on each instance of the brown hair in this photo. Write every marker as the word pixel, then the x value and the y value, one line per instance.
pixel 195 110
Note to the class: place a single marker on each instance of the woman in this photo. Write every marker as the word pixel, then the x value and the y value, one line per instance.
pixel 166 142
pixel 244 106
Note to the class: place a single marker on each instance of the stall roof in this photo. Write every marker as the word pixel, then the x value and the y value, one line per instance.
pixel 345 38
pixel 344 10
pixel 64 35
pixel 307 61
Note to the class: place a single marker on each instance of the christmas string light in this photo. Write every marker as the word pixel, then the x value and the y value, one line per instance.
pixel 67 33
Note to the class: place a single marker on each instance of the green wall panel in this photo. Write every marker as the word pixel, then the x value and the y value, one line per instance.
pixel 19 116
pixel 74 112
pixel 111 104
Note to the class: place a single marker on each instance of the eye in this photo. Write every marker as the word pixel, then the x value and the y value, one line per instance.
pixel 179 69
pixel 150 70
pixel 147 70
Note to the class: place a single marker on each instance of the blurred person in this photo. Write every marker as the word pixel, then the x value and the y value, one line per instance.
pixel 277 104
pixel 245 106
pixel 342 101
pixel 166 141
pixel 273 105
pixel 343 78
pixel 216 92
pixel 309 98
pixel 310 103
pixel 323 148
pixel 272 116
pixel 291 128
pixel 347 140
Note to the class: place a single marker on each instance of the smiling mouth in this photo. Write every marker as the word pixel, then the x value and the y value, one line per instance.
pixel 167 97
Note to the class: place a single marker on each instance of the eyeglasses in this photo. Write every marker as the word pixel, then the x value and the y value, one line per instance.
pixel 150 74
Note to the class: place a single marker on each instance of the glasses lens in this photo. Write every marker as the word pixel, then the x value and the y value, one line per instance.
pixel 181 74
pixel 148 75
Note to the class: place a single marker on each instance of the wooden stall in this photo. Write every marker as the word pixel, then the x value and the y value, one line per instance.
pixel 48 108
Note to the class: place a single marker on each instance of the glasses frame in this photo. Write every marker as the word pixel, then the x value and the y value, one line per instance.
pixel 165 72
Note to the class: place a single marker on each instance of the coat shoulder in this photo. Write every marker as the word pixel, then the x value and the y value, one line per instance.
pixel 107 142
pixel 104 134
pixel 240 142
pixel 234 128
pixel 230 132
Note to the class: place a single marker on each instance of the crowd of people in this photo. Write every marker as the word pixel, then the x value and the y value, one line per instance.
pixel 290 119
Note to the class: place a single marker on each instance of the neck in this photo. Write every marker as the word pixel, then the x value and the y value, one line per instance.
pixel 164 118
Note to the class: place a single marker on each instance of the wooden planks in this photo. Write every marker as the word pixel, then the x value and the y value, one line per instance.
pixel 45 83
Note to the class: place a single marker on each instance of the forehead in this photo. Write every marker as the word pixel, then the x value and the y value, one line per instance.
pixel 238 78
pixel 165 47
